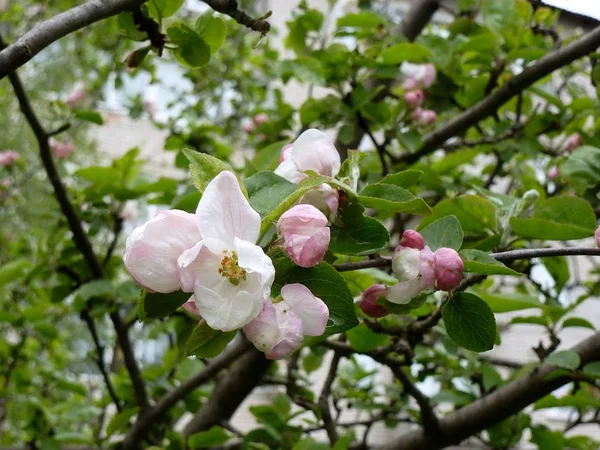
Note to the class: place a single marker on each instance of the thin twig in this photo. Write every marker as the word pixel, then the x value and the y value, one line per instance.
pixel 230 8
pixel 330 425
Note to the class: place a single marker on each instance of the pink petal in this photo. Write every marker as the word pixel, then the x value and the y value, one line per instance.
pixel 312 310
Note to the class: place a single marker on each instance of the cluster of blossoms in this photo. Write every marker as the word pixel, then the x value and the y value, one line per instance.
pixel 61 149
pixel 257 121
pixel 213 255
pixel 418 77
pixel 8 158
pixel 417 269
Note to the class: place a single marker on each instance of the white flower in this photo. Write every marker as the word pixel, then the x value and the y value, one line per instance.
pixel 230 276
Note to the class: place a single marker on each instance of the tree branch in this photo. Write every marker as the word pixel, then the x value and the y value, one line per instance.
pixel 489 105
pixel 80 237
pixel 330 425
pixel 230 8
pixel 45 33
pixel 511 255
pixel 138 431
pixel 496 406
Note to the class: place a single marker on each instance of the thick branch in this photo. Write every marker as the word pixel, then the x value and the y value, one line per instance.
pixel 511 255
pixel 489 105
pixel 44 34
pixel 230 8
pixel 230 392
pixel 496 406
pixel 80 237
pixel 330 425
pixel 144 423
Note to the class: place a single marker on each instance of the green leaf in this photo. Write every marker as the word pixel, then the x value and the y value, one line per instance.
pixel 363 339
pixel 557 218
pixel 191 48
pixel 391 198
pixel 501 303
pixel 14 270
pixel 483 263
pixel 363 19
pixel 266 190
pixel 205 167
pixel 205 342
pixel 213 437
pixel 578 322
pixel 128 28
pixel 356 234
pixel 325 283
pixel 582 169
pixel 120 421
pixel 212 30
pixel 445 232
pixel 581 400
pixel 476 214
pixel 405 51
pixel 566 359
pixel 558 267
pixel 95 288
pixel 592 369
pixel 482 43
pixel 470 322
pixel 161 9
pixel 89 116
pixel 404 179
pixel 395 308
pixel 267 158
pixel 547 439
pixel 156 305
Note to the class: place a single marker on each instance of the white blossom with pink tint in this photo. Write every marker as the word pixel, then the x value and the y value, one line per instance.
pixel 61 149
pixel 419 76
pixel 259 119
pixel 311 151
pixel 76 95
pixel 248 127
pixel 230 276
pixel 280 327
pixel 414 270
pixel 8 157
pixel 152 249
pixel 305 234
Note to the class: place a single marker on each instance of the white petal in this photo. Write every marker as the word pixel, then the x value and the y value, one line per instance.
pixel 405 263
pixel 288 170
pixel 402 293
pixel 252 258
pixel 224 213
pixel 314 151
pixel 264 331
pixel 291 330
pixel 312 310
pixel 202 260
pixel 152 249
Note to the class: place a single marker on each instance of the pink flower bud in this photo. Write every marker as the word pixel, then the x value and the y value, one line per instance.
pixel 190 306
pixel 405 263
pixel 152 249
pixel 414 98
pixel 369 304
pixel 553 172
pixel 418 75
pixel 573 141
pixel 410 84
pixel 8 158
pixel 61 149
pixel 312 310
pixel 429 76
pixel 76 95
pixel 305 233
pixel 324 198
pixel 260 119
pixel 427 117
pixel 286 152
pixel 248 127
pixel 597 236
pixel 412 239
pixel 448 269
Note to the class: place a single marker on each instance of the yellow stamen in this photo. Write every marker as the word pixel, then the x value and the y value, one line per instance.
pixel 231 270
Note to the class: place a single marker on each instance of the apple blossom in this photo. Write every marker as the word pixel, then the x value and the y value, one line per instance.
pixel 415 271
pixel 425 117
pixel 412 239
pixel 418 75
pixel 248 127
pixel 414 98
pixel 76 95
pixel 152 249
pixel 553 172
pixel 280 327
pixel 572 142
pixel 448 269
pixel 597 236
pixel 61 149
pixel 311 151
pixel 305 234
pixel 230 276
pixel 8 157
pixel 369 304
pixel 190 306
pixel 259 119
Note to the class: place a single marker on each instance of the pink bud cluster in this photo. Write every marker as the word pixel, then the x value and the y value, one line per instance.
pixel 417 269
pixel 418 77
pixel 257 121
pixel 8 158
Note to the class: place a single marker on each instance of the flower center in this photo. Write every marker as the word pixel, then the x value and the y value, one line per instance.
pixel 231 270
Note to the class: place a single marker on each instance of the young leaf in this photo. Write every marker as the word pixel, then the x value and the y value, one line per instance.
pixel 566 359
pixel 363 339
pixel 211 438
pixel 266 190
pixel 445 232
pixel 205 167
pixel 161 9
pixel 476 261
pixel 212 30
pixel 405 51
pixel 89 116
pixel 404 179
pixel 470 322
pixel 476 214
pixel 391 198
pixel 578 322
pixel 356 234
pixel 205 342
pixel 156 305
pixel 557 218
